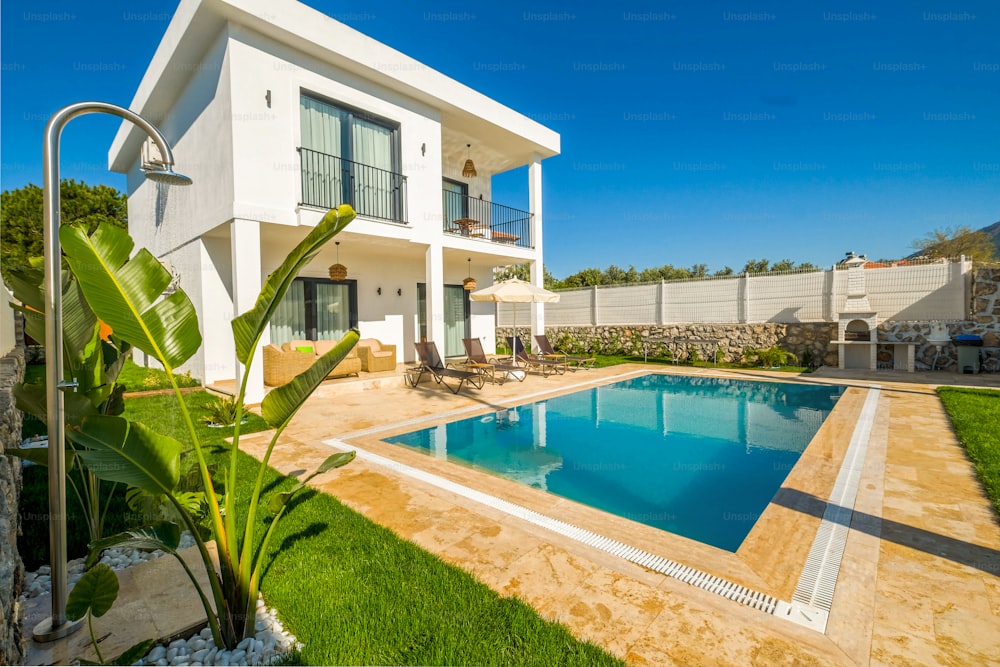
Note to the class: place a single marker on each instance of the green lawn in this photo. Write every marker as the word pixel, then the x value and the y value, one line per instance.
pixel 975 415
pixel 354 593
pixel 133 376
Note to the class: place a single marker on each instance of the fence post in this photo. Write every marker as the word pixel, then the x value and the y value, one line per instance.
pixel 661 297
pixel 743 299
pixel 830 294
pixel 593 306
pixel 959 272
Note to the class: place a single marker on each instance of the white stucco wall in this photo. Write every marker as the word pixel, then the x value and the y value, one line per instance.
pixel 234 128
pixel 267 177
pixel 198 127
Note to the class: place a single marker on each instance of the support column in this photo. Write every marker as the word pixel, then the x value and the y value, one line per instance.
pixel 537 267
pixel 434 279
pixel 245 245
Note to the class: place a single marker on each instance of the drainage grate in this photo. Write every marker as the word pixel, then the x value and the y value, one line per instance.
pixel 819 575
pixel 688 575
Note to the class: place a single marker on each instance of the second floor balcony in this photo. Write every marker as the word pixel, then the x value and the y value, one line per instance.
pixel 482 219
pixel 328 181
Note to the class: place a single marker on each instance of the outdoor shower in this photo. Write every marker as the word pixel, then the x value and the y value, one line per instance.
pixel 161 171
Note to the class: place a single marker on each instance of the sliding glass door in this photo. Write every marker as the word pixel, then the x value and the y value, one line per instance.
pixel 315 309
pixel 456 318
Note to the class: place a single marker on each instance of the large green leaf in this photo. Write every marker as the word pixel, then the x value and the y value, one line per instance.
pixel 34 321
pixel 125 293
pixel 40 456
pixel 281 403
pixel 164 536
pixel 32 399
pixel 81 340
pixel 277 501
pixel 96 592
pixel 248 327
pixel 121 451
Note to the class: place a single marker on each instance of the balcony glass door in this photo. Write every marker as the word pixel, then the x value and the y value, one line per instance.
pixel 374 189
pixel 456 202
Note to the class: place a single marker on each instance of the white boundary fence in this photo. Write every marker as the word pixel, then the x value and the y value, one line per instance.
pixel 930 290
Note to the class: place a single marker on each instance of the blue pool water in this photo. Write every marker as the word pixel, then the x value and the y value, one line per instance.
pixel 700 457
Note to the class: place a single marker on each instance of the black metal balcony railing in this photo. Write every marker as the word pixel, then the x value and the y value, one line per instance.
pixel 328 181
pixel 467 216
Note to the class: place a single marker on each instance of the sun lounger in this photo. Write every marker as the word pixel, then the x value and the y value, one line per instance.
pixel 540 364
pixel 430 362
pixel 496 369
pixel 545 347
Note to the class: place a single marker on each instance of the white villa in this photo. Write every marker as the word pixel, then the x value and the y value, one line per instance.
pixel 279 113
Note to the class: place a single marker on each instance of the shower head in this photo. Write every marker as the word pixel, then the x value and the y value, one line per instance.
pixel 167 175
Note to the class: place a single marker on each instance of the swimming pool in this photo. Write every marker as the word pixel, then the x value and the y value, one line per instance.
pixel 696 456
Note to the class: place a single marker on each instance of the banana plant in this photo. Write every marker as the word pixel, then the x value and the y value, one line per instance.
pixel 95 363
pixel 126 291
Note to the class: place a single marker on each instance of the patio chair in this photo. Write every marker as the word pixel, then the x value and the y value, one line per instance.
pixel 430 362
pixel 549 353
pixel 494 368
pixel 540 364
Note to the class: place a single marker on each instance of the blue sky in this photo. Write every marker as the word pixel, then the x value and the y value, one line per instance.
pixel 710 134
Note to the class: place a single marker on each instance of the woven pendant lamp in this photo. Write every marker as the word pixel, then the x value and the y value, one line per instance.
pixel 469 283
pixel 469 171
pixel 338 271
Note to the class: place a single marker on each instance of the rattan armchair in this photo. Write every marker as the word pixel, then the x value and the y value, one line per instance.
pixel 376 356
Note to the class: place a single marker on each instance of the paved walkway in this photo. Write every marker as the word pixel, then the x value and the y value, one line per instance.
pixel 920 581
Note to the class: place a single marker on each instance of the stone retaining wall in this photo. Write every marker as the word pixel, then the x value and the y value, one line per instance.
pixel 810 341
pixel 11 568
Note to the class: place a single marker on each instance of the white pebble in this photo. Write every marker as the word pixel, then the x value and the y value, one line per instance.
pixel 157 653
pixel 200 655
pixel 237 656
pixel 171 654
pixel 177 643
pixel 162 662
pixel 244 643
pixel 206 633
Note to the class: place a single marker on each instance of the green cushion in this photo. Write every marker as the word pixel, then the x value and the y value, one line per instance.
pixel 304 348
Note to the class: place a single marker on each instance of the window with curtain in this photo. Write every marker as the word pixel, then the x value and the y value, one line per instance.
pixel 350 157
pixel 315 309
pixel 456 202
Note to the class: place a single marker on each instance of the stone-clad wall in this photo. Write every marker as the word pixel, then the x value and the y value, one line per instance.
pixel 11 568
pixel 984 321
pixel 809 340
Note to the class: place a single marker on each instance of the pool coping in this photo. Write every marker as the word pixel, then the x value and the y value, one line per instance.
pixel 919 579
pixel 672 555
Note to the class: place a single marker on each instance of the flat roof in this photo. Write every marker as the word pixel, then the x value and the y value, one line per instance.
pixel 196 23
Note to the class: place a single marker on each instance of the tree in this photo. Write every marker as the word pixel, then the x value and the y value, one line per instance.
pixel 523 272
pixel 757 266
pixel 21 217
pixel 948 242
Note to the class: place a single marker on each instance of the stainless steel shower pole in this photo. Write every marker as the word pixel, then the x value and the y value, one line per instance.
pixel 57 626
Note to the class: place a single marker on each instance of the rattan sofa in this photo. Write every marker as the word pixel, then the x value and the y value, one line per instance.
pixel 376 356
pixel 284 363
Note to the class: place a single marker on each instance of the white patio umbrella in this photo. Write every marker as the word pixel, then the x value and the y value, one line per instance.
pixel 514 291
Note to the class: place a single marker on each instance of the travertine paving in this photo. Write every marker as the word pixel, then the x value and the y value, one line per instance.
pixel 919 583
